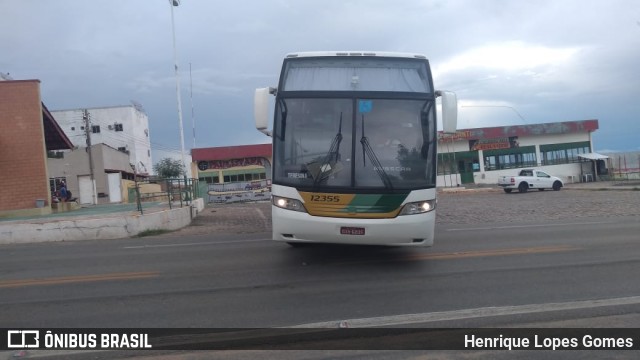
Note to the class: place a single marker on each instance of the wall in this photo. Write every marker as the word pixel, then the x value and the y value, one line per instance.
pixel 112 227
pixel 563 171
pixel 449 180
pixel 23 167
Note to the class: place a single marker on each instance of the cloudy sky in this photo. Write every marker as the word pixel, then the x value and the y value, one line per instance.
pixel 510 62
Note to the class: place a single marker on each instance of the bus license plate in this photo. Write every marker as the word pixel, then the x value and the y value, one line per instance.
pixel 351 231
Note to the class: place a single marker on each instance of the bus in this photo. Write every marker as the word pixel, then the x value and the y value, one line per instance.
pixel 354 148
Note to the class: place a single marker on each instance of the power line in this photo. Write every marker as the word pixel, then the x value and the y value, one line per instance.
pixel 499 106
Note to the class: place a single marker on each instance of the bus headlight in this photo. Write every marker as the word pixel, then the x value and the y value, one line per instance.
pixel 289 204
pixel 419 207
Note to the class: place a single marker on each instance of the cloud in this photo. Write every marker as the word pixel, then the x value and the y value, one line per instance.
pixel 548 60
pixel 515 56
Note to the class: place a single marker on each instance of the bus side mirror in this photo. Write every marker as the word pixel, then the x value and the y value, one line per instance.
pixel 449 111
pixel 261 109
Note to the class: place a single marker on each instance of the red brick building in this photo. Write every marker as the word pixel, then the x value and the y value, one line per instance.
pixel 27 132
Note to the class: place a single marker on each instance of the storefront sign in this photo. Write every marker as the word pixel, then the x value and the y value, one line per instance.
pixel 494 144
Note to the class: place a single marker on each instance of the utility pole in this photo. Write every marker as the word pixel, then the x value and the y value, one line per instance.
pixel 193 119
pixel 88 130
pixel 175 3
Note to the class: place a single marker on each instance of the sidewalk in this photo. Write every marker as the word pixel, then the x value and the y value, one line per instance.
pixel 604 185
pixel 98 222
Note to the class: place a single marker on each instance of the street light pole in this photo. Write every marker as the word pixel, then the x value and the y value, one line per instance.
pixel 172 4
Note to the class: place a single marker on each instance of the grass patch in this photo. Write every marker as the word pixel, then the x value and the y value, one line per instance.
pixel 153 232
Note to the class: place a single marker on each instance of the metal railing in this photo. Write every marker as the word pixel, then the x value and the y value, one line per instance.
pixel 174 192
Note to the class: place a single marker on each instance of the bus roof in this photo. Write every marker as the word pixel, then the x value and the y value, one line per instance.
pixel 354 54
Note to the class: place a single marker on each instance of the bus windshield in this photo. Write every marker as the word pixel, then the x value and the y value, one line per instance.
pixel 355 143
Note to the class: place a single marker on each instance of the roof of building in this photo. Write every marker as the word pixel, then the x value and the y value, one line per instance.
pixel 593 156
pixel 231 152
pixel 565 127
pixel 54 137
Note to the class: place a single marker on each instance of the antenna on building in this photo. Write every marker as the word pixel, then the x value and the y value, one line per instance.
pixel 4 76
pixel 137 106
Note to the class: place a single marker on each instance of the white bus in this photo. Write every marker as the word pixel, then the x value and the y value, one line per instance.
pixel 354 148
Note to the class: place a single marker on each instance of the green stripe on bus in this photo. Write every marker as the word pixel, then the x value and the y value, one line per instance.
pixel 375 203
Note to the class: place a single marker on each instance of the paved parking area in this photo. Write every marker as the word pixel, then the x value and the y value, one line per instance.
pixel 491 206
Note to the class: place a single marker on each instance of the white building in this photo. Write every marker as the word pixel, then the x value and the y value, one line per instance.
pixel 482 155
pixel 125 128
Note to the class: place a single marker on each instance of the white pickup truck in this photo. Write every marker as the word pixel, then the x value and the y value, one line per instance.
pixel 530 179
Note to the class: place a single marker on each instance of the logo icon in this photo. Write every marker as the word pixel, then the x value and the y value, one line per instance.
pixel 21 339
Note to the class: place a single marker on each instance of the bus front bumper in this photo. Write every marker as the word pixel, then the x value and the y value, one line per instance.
pixel 299 227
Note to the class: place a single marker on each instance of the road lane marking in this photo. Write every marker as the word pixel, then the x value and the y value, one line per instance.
pixel 467 254
pixel 493 252
pixel 194 244
pixel 405 319
pixel 261 214
pixel 78 279
pixel 527 226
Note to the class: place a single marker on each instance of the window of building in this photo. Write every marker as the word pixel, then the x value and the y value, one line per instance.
pixel 55 154
pixel 209 179
pixel 446 164
pixel 73 128
pixel 55 183
pixel 553 154
pixel 95 129
pixel 524 156
pixel 118 127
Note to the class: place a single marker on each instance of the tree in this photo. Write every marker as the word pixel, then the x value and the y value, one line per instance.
pixel 169 168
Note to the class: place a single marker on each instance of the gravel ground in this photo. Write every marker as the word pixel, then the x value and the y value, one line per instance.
pixel 468 207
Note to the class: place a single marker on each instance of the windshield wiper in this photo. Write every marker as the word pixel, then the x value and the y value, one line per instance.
pixel 325 168
pixel 366 149
pixel 283 120
pixel 426 129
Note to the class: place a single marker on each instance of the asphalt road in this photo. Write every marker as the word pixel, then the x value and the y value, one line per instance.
pixel 548 271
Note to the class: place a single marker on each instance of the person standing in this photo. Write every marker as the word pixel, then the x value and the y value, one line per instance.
pixel 64 194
